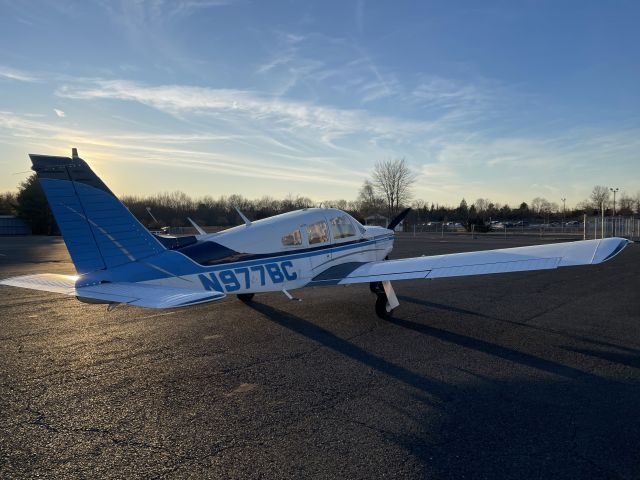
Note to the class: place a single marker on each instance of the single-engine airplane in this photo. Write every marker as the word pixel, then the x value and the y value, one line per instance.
pixel 119 261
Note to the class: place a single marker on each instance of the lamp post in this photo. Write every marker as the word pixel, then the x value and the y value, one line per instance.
pixel 563 212
pixel 614 190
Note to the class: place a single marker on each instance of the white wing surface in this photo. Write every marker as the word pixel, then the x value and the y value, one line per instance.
pixel 538 257
pixel 138 294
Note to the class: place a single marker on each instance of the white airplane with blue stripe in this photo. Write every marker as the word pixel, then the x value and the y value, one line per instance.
pixel 118 261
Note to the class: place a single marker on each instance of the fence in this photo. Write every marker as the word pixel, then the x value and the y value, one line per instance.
pixel 588 228
pixel 597 227
pixel 10 225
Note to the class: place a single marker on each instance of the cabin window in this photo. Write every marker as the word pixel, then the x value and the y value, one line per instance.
pixel 342 227
pixel 292 239
pixel 318 232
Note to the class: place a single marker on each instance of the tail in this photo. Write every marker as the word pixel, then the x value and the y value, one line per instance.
pixel 99 231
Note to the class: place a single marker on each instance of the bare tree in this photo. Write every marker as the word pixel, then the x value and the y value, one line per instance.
pixel 537 205
pixel 368 201
pixel 393 180
pixel 625 204
pixel 599 197
pixel 482 207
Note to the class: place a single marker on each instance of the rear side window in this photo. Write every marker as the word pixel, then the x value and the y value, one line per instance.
pixel 342 227
pixel 318 232
pixel 292 239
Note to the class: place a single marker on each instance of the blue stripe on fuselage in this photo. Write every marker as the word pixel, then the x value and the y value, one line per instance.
pixel 283 255
pixel 209 252
pixel 171 261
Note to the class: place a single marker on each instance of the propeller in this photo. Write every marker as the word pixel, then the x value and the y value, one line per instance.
pixel 394 223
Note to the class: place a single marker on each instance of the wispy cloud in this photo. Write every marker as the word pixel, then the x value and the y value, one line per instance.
pixel 158 12
pixel 568 163
pixel 190 7
pixel 19 75
pixel 443 93
pixel 321 64
pixel 177 99
pixel 170 150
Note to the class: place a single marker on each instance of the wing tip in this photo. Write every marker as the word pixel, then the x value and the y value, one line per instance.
pixel 608 248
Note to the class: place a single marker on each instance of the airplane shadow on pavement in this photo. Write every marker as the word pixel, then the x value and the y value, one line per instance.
pixel 561 423
pixel 340 345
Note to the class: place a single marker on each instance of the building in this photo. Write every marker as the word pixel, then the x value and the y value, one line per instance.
pixel 377 220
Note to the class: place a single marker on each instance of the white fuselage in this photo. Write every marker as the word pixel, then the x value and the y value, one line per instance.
pixel 283 252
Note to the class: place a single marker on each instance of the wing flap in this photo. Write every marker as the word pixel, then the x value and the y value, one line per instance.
pixel 537 257
pixel 138 294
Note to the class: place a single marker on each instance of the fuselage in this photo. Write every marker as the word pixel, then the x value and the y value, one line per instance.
pixel 286 251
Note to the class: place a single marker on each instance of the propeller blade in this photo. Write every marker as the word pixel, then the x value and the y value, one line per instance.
pixel 394 223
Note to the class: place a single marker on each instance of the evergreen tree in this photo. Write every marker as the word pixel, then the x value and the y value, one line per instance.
pixel 33 207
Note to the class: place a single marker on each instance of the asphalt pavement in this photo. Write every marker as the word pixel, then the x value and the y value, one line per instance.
pixel 532 375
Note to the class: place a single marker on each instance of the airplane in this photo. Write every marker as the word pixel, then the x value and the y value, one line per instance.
pixel 118 261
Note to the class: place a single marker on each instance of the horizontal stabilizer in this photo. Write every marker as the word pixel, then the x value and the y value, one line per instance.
pixel 138 294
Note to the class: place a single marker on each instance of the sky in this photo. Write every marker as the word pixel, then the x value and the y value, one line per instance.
pixel 506 100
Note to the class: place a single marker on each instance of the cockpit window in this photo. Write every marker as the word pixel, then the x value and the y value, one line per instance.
pixel 342 227
pixel 292 239
pixel 318 232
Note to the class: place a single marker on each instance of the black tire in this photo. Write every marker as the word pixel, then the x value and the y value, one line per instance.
pixel 245 297
pixel 381 307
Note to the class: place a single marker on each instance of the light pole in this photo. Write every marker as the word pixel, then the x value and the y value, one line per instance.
pixel 563 212
pixel 614 190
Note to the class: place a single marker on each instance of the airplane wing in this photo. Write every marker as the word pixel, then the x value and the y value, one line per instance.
pixel 138 294
pixel 537 257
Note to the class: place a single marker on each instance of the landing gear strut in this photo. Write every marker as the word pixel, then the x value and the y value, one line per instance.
pixel 376 287
pixel 245 297
pixel 386 301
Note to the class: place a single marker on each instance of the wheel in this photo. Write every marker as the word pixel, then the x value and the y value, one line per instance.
pixel 376 287
pixel 245 297
pixel 381 307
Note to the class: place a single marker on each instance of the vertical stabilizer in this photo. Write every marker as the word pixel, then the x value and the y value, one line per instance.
pixel 99 231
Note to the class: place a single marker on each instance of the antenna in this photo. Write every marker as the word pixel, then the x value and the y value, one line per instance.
pixel 246 220
pixel 198 228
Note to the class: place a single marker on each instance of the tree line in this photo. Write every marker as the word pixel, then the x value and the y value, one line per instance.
pixel 388 191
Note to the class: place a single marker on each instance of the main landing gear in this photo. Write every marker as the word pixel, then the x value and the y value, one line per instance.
pixel 386 301
pixel 245 297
